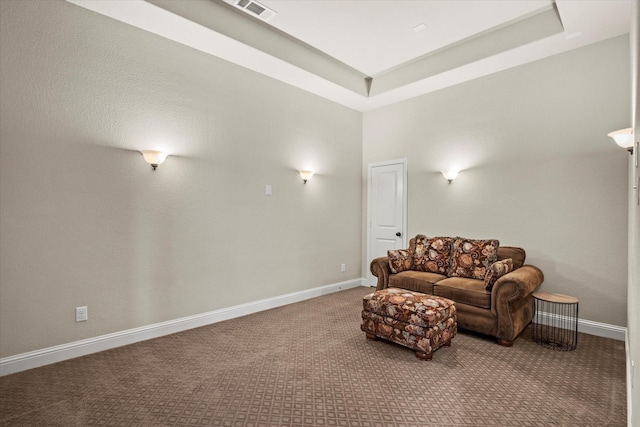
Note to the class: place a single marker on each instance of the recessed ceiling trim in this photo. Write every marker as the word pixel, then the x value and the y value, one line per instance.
pixel 342 84
pixel 222 18
pixel 542 24
pixel 154 19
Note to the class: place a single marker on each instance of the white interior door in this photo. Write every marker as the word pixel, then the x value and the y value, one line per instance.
pixel 387 209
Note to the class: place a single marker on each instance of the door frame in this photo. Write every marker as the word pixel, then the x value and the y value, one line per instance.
pixel 405 191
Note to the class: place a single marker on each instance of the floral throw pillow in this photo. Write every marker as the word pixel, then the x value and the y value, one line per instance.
pixel 419 250
pixel 472 258
pixel 399 260
pixel 496 271
pixel 435 255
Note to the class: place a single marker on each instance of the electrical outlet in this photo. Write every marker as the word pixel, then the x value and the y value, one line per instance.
pixel 82 314
pixel 343 267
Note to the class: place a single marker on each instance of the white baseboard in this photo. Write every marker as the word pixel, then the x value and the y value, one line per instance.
pixel 592 328
pixel 46 356
pixel 602 329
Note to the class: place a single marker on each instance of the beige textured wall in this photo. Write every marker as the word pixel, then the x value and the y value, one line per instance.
pixel 84 220
pixel 539 170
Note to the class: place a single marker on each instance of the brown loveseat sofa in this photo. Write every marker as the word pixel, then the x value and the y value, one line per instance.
pixel 490 284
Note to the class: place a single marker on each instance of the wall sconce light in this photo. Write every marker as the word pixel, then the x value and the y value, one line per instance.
pixel 154 158
pixel 450 175
pixel 306 175
pixel 624 138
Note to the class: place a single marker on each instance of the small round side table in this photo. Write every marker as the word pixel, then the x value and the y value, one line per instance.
pixel 555 321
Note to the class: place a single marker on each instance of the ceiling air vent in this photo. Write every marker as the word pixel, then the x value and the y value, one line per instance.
pixel 252 7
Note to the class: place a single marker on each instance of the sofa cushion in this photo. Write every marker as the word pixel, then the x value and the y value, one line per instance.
pixel 471 258
pixel 518 255
pixel 433 254
pixel 418 281
pixel 463 290
pixel 400 260
pixel 497 270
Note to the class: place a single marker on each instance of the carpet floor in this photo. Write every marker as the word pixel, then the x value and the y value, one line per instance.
pixel 308 364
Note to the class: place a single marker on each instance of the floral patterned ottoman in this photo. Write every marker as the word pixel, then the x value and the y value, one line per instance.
pixel 419 321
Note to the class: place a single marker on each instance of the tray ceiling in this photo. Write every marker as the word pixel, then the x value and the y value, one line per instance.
pixel 366 54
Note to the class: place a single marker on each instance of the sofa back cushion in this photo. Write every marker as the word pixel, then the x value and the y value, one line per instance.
pixel 432 255
pixel 471 258
pixel 517 255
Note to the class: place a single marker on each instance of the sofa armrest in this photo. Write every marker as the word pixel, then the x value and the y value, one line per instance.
pixel 517 284
pixel 511 300
pixel 380 268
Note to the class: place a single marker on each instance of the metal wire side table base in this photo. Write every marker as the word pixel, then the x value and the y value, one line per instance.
pixel 555 321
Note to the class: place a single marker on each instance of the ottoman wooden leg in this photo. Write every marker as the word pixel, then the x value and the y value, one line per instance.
pixel 371 337
pixel 424 356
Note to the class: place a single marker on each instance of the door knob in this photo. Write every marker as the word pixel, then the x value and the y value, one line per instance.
pixel 398 234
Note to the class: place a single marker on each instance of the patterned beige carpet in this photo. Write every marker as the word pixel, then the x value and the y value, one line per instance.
pixel 308 364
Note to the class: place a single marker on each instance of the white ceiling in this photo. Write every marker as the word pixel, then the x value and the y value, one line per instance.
pixel 329 47
pixel 376 36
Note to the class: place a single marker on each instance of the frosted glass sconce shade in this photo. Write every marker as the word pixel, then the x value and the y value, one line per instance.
pixel 154 158
pixel 624 138
pixel 306 175
pixel 450 175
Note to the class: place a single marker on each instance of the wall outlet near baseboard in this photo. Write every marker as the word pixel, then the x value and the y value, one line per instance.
pixel 343 267
pixel 82 314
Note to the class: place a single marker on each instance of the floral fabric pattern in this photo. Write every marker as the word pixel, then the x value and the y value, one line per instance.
pixel 497 270
pixel 409 307
pixel 400 260
pixel 418 321
pixel 432 255
pixel 418 248
pixel 472 258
